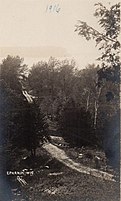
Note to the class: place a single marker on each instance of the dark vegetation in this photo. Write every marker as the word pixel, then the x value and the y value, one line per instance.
pixel 75 121
pixel 84 104
pixel 69 185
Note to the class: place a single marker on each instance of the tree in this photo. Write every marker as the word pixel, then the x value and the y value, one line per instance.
pixel 42 79
pixel 13 72
pixel 107 41
pixel 76 125
pixel 10 92
pixel 112 142
pixel 109 46
pixel 31 129
pixel 51 82
pixel 89 92
pixel 22 123
pixel 10 98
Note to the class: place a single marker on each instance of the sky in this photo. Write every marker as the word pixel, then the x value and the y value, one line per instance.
pixel 29 29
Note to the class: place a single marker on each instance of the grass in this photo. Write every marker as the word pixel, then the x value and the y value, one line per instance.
pixel 69 186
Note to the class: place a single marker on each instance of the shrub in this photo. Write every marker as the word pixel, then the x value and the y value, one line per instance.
pixel 76 127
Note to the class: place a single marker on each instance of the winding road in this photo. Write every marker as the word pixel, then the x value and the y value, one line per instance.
pixel 61 156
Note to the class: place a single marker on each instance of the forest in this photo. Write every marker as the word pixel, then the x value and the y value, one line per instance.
pixel 82 103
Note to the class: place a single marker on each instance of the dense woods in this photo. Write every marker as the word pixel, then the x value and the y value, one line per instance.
pixel 59 122
pixel 58 92
pixel 82 103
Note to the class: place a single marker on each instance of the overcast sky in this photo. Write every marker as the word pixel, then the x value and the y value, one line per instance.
pixel 32 32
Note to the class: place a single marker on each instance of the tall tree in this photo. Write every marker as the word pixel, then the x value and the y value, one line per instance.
pixel 89 91
pixel 107 40
pixel 16 111
pixel 51 82
pixel 108 44
pixel 76 126
pixel 12 71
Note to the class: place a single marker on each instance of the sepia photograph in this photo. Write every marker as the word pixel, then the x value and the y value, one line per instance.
pixel 60 100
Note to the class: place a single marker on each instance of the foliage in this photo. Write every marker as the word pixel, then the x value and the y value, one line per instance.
pixel 106 40
pixel 61 92
pixel 22 124
pixel 30 128
pixel 11 92
pixel 71 84
pixel 76 125
pixel 51 82
pixel 111 140
pixel 13 72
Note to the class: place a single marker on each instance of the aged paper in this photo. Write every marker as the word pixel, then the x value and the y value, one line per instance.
pixel 59 107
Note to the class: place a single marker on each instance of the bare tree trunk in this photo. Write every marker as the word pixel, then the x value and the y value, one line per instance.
pixel 95 114
pixel 96 107
pixel 87 106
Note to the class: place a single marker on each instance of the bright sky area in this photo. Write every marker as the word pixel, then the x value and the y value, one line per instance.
pixel 27 29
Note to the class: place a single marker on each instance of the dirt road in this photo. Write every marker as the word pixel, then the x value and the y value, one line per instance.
pixel 61 156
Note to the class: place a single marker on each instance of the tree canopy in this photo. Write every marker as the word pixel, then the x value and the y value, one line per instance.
pixel 107 40
pixel 22 123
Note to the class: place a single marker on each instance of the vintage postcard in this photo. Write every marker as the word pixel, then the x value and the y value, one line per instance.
pixel 59 100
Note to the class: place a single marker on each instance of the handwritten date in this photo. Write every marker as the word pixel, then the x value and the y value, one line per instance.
pixel 55 8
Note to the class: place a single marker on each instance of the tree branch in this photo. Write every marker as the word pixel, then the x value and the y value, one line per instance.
pixel 94 30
